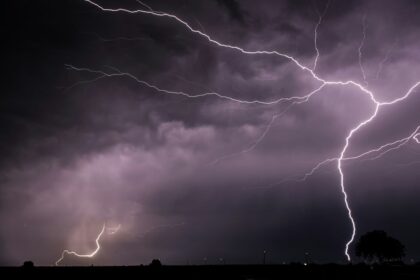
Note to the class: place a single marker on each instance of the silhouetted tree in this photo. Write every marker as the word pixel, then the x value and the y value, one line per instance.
pixel 156 263
pixel 378 246
pixel 28 264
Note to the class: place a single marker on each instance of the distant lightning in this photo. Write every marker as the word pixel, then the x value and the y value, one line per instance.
pixel 113 230
pixel 408 163
pixel 98 246
pixel 117 73
pixel 251 147
pixel 267 128
pixel 362 43
pixel 384 60
pixel 320 18
pixel 342 155
pixel 293 100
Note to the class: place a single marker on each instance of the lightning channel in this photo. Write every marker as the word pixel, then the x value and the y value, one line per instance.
pixel 384 60
pixel 381 151
pixel 94 252
pixel 101 75
pixel 362 43
pixel 320 18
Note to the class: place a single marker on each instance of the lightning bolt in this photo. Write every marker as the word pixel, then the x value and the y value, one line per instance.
pixel 342 155
pixel 98 246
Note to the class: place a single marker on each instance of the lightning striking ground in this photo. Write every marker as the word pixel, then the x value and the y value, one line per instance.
pixel 94 252
pixel 342 155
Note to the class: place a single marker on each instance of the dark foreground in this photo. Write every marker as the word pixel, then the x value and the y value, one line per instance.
pixel 220 272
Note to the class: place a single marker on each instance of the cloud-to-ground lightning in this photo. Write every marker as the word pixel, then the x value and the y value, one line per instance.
pixel 342 155
pixel 111 230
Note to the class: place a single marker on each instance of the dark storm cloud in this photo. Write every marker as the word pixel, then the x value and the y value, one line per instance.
pixel 74 156
pixel 233 8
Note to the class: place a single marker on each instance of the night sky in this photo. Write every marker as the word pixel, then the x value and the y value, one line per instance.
pixel 193 180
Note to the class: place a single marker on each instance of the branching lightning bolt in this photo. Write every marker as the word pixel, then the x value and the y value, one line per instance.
pixel 98 246
pixel 381 150
pixel 117 73
pixel 342 155
pixel 398 144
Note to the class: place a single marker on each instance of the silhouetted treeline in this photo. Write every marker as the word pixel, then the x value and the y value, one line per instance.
pixel 267 272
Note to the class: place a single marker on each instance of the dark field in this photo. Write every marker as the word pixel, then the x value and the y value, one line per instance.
pixel 221 272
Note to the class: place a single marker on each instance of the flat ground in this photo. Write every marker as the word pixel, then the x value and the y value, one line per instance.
pixel 331 271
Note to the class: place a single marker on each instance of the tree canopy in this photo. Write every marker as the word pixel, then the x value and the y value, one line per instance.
pixel 378 246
